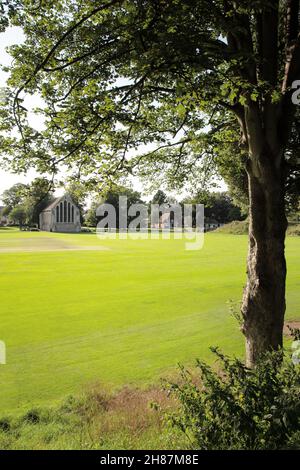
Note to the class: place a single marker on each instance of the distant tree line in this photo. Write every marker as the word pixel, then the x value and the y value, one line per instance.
pixel 218 206
pixel 24 202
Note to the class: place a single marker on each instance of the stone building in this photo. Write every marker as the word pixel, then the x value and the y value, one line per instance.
pixel 60 216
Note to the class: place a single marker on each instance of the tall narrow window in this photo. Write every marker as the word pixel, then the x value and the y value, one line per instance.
pixel 72 213
pixel 61 211
pixel 69 215
pixel 65 211
pixel 57 213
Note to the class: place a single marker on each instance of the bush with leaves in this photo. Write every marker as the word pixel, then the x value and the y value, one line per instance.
pixel 240 408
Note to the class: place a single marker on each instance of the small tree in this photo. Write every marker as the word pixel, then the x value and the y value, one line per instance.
pixel 14 196
pixel 19 215
pixel 38 196
pixel 90 218
pixel 33 198
pixel 78 193
pixel 160 198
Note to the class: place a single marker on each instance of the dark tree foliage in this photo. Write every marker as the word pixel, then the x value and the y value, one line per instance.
pixel 160 198
pixel 31 198
pixel 111 196
pixel 218 206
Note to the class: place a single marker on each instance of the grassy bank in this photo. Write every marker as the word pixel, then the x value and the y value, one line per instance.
pixel 241 228
pixel 95 420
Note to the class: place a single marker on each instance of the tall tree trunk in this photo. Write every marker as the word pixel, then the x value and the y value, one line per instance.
pixel 263 306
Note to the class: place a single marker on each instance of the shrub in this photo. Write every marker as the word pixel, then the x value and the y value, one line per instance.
pixel 32 416
pixel 5 424
pixel 240 408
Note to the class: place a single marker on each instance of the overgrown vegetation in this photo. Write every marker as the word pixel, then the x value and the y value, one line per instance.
pixel 97 419
pixel 227 407
pixel 240 408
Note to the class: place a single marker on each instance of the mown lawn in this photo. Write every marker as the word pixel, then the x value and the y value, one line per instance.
pixel 123 314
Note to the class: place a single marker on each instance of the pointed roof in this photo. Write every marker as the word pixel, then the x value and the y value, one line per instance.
pixel 55 202
pixel 52 204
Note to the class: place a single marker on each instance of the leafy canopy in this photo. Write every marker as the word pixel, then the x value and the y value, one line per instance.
pixel 160 87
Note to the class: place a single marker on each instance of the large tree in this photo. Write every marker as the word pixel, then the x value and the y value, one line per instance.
pixel 116 75
pixel 32 198
pixel 38 197
pixel 14 196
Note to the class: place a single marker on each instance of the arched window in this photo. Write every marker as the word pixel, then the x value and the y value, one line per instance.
pixel 65 211
pixel 72 213
pixel 61 211
pixel 69 214
pixel 57 213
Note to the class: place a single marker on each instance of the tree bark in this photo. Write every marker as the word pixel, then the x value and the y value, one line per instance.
pixel 263 306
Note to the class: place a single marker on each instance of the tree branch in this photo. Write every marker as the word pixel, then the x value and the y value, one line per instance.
pixel 54 48
pixel 97 49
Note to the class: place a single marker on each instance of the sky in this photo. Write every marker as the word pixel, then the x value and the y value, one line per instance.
pixel 11 36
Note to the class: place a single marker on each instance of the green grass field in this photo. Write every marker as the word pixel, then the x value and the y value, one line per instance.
pixel 76 310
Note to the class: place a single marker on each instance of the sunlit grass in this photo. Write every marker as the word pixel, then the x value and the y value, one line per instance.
pixel 124 314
